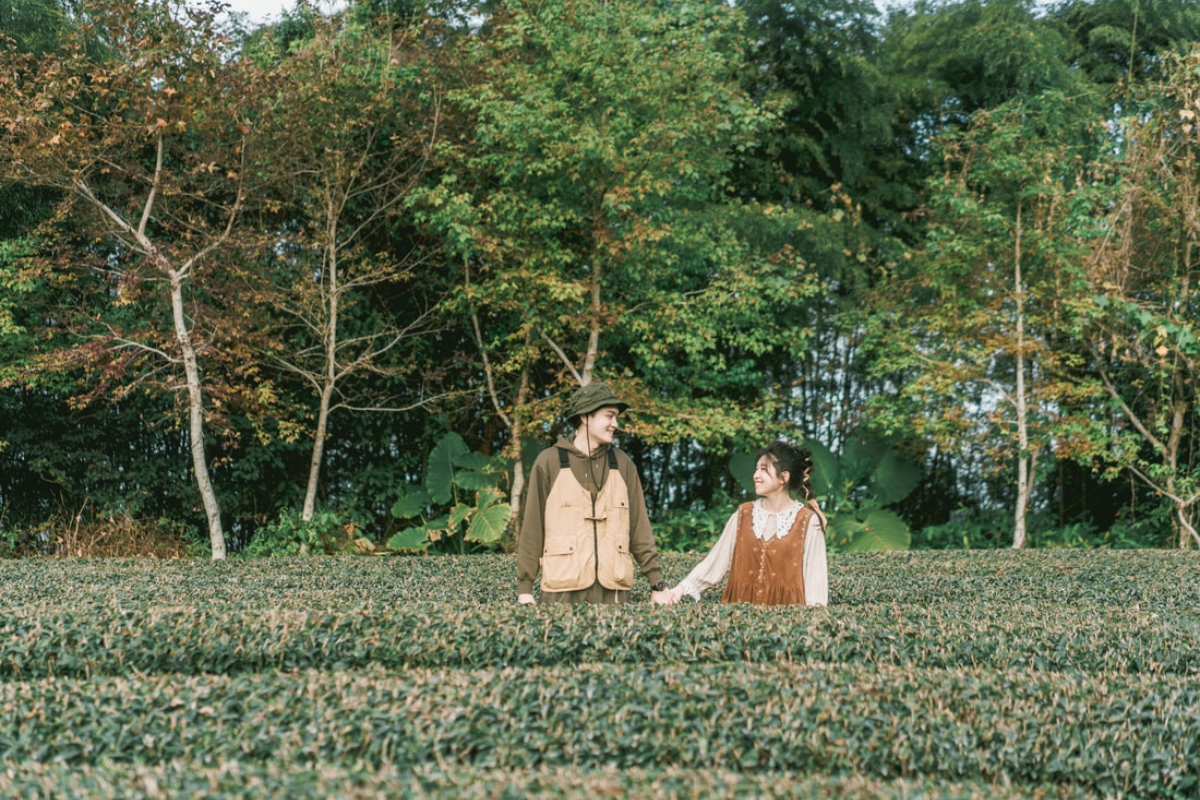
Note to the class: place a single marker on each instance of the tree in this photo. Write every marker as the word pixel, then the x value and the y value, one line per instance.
pixel 584 211
pixel 1143 275
pixel 1121 43
pixel 354 123
pixel 142 120
pixel 973 327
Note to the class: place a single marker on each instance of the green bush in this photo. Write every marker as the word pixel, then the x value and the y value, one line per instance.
pixel 1052 673
pixel 35 643
pixel 1114 735
pixel 289 535
pixel 691 531
pixel 109 780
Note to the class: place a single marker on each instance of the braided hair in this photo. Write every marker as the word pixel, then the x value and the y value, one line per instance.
pixel 796 461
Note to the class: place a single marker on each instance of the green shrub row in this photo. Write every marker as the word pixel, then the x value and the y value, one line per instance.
pixel 1163 581
pixel 1120 735
pixel 120 781
pixel 192 641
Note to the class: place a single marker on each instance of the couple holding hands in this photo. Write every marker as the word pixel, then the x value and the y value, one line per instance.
pixel 585 523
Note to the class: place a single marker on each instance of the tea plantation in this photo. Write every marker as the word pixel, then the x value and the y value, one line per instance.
pixel 933 674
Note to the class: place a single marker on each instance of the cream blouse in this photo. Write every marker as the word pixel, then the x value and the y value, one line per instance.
pixel 715 566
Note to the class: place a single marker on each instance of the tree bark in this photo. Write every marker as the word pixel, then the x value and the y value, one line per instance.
pixel 330 378
pixel 191 367
pixel 1025 460
pixel 212 509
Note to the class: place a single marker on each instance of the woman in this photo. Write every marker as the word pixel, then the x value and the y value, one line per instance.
pixel 773 549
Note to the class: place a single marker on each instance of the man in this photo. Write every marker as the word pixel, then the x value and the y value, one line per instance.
pixel 585 518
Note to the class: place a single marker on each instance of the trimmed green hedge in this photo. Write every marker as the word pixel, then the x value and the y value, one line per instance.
pixel 1152 580
pixel 946 675
pixel 111 641
pixel 1126 735
pixel 121 781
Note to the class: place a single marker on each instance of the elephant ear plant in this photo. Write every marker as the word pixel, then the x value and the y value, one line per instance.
pixel 857 485
pixel 853 489
pixel 459 507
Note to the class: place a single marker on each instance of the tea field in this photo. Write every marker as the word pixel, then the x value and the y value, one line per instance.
pixel 931 675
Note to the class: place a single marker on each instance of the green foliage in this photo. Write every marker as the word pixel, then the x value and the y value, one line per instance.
pixel 869 474
pixel 1121 43
pixel 689 531
pixel 465 485
pixel 327 533
pixel 35 25
pixel 737 183
pixel 923 667
pixel 110 780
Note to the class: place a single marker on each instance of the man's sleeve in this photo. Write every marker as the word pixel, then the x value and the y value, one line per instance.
pixel 533 528
pixel 641 538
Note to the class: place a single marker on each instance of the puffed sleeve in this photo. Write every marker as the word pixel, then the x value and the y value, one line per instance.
pixel 816 572
pixel 715 566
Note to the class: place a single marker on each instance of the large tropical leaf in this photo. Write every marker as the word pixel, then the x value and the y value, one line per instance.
pixel 895 478
pixel 473 480
pixel 473 460
pixel 477 471
pixel 459 513
pixel 439 476
pixel 487 496
pixel 741 467
pixel 826 470
pixel 435 529
pixel 414 500
pixel 881 530
pixel 860 458
pixel 409 540
pixel 488 525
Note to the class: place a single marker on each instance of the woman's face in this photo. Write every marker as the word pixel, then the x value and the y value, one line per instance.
pixel 767 479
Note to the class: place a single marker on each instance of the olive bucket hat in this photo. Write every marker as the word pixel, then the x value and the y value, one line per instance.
pixel 589 398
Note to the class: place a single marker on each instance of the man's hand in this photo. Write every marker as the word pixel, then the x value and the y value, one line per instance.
pixel 664 598
pixel 525 599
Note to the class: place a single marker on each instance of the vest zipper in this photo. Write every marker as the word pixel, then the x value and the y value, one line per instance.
pixel 595 527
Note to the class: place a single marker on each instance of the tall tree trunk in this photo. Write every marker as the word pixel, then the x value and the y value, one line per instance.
pixel 518 484
pixel 196 419
pixel 593 346
pixel 330 378
pixel 191 367
pixel 318 453
pixel 513 421
pixel 1025 460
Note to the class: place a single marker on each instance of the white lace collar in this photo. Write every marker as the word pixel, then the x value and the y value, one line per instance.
pixel 768 526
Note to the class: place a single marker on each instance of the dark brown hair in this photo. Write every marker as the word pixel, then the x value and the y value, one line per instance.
pixel 796 461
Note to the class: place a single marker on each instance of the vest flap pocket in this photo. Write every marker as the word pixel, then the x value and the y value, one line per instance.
pixel 559 548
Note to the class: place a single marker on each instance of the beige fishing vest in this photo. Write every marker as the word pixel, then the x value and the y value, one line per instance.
pixel 586 542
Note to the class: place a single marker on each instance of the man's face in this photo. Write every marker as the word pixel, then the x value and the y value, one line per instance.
pixel 602 425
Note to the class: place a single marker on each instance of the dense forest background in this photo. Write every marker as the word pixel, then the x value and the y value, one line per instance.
pixel 257 281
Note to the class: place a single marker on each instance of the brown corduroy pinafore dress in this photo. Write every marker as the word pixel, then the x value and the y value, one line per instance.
pixel 767 573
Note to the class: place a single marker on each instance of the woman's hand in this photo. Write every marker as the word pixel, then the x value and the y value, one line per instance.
pixel 676 593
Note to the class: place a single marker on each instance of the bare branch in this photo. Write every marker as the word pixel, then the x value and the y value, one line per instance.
pixel 125 344
pixel 487 366
pixel 154 187
pixel 554 346
pixel 1129 414
pixel 390 409
pixel 233 212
